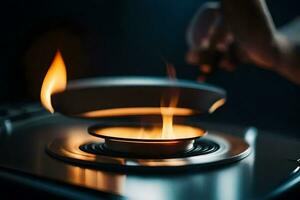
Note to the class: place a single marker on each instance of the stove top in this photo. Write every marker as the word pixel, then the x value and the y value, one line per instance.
pixel 268 167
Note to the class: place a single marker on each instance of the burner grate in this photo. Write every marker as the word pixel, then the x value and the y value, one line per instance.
pixel 201 147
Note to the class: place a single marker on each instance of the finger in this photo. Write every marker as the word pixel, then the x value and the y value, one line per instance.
pixel 199 29
pixel 220 36
pixel 212 46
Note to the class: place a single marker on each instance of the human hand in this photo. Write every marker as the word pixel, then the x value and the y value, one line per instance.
pixel 240 32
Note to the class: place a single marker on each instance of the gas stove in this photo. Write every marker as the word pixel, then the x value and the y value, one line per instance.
pixel 134 137
pixel 56 154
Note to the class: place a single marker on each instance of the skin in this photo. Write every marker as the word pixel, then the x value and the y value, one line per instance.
pixel 248 27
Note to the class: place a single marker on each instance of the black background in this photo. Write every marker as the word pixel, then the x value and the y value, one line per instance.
pixel 129 37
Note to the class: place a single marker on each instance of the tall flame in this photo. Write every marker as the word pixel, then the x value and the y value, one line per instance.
pixel 167 116
pixel 54 81
pixel 168 112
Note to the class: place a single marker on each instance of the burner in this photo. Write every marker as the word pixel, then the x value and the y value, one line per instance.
pixel 83 149
pixel 135 147
pixel 148 140
pixel 199 147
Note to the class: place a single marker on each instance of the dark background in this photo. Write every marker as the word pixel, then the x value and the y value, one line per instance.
pixel 129 37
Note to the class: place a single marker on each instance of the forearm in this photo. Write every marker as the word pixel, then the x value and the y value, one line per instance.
pixel 278 50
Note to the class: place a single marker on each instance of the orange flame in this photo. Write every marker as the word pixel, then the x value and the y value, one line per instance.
pixel 117 112
pixel 168 112
pixel 54 81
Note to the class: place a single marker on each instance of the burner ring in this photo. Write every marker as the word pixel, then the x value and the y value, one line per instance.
pixel 230 149
pixel 200 147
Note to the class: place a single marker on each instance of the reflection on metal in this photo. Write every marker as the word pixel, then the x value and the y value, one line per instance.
pixel 231 179
pixel 292 180
pixel 251 135
pixel 149 148
pixel 103 181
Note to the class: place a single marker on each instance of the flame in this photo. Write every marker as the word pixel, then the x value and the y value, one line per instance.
pixel 168 112
pixel 167 129
pixel 116 112
pixel 54 81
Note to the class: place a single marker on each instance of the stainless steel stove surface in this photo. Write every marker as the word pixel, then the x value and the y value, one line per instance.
pixel 270 168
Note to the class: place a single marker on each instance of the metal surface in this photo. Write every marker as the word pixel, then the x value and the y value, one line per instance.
pixel 141 94
pixel 263 171
pixel 199 147
pixel 148 148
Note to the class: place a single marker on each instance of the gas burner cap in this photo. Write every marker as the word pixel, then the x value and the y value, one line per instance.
pixel 148 139
pixel 123 96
